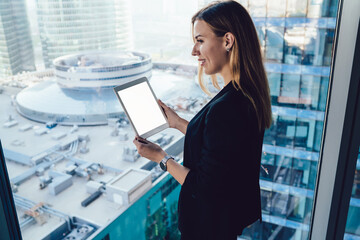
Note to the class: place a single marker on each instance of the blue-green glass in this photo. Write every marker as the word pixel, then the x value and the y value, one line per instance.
pixel 274 41
pixel 352 230
pixel 153 216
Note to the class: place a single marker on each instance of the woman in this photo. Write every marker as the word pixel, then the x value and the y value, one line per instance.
pixel 220 193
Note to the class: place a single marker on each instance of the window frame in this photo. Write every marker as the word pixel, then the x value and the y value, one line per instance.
pixel 8 215
pixel 338 155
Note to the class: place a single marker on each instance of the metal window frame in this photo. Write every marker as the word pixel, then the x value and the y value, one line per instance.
pixel 341 138
pixel 11 230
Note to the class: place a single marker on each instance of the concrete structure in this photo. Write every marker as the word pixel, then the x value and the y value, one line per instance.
pixel 82 91
pixel 41 159
pixel 129 186
pixel 101 69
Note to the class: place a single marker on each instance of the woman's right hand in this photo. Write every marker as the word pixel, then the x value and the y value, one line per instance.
pixel 171 115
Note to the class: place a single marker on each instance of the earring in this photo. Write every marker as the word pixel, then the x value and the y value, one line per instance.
pixel 228 49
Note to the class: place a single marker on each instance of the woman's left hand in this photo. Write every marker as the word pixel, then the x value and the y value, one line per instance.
pixel 149 150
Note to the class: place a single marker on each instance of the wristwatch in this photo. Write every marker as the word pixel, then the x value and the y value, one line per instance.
pixel 164 162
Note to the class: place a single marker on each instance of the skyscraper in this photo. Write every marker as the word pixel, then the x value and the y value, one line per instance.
pixel 68 27
pixel 296 37
pixel 16 51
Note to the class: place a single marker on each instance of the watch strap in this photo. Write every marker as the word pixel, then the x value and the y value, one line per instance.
pixel 163 163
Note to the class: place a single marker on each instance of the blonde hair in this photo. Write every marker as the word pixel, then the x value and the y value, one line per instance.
pixel 246 61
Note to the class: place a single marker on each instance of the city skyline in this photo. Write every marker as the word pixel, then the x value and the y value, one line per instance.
pixel 297 41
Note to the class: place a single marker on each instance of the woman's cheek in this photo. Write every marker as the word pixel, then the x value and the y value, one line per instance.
pixel 203 49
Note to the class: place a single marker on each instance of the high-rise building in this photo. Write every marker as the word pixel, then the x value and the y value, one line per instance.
pixel 16 51
pixel 68 27
pixel 296 37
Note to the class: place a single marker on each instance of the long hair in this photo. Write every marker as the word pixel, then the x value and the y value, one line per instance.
pixel 245 56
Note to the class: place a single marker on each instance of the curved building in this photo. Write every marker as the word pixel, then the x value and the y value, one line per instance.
pixel 101 70
pixel 82 91
pixel 72 26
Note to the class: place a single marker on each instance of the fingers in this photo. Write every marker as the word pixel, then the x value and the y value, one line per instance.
pixel 165 107
pixel 162 104
pixel 136 142
pixel 140 140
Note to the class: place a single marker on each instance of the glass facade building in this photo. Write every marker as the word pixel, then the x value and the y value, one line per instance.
pixel 68 27
pixel 297 40
pixel 16 51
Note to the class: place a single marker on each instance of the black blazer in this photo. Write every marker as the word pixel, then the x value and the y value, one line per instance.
pixel 222 149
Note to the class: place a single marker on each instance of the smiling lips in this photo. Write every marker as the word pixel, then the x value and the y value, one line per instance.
pixel 202 62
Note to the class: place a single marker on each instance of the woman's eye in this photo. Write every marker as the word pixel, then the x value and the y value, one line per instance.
pixel 199 40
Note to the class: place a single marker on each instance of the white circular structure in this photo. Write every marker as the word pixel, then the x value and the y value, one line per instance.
pixel 92 70
pixel 82 91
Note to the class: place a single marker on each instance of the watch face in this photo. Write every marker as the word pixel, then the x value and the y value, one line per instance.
pixel 162 166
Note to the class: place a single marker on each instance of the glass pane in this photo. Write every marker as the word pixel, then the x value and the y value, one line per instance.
pixel 290 89
pixel 261 34
pixel 310 91
pixel 296 8
pixel 257 8
pixel 298 57
pixel 276 8
pixel 274 44
pixel 294 45
pixel 296 37
pixel 274 84
pixel 352 230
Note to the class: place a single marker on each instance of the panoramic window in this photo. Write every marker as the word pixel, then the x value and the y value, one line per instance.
pixel 68 144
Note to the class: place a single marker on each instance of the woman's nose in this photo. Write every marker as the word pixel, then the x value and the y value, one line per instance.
pixel 195 51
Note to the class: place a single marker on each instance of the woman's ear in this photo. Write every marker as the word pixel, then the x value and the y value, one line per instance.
pixel 229 39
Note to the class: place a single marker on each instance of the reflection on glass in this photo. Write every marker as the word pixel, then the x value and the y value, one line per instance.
pixel 276 8
pixel 301 173
pixel 285 131
pixel 257 8
pixel 352 230
pixel 323 93
pixel 290 87
pixel 314 46
pixel 294 45
pixel 304 133
pixel 328 47
pixel 322 8
pixel 316 49
pixel 261 34
pixel 315 9
pixel 282 173
pixel 274 84
pixel 318 135
pixel 296 8
pixel 310 90
pixel 274 44
pixel 271 134
pixel 331 8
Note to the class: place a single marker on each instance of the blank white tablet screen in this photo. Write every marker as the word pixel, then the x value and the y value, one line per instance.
pixel 142 107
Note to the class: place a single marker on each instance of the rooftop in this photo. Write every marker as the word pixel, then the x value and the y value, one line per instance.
pixel 95 152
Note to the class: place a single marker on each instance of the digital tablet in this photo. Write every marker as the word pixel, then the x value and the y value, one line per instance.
pixel 141 107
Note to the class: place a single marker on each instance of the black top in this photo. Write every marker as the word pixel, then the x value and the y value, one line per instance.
pixel 222 149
